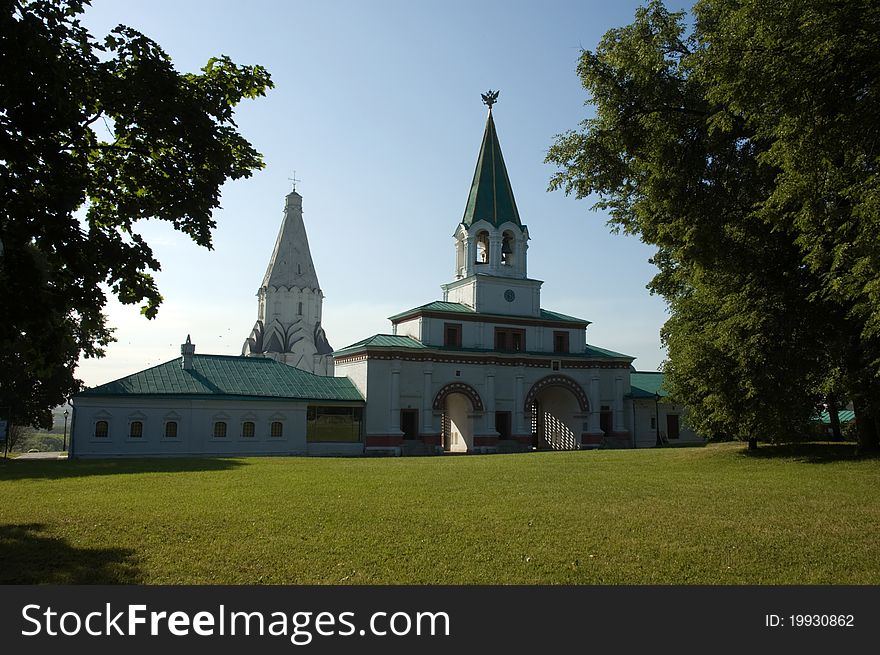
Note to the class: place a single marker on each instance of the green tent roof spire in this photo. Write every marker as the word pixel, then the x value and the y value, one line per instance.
pixel 491 196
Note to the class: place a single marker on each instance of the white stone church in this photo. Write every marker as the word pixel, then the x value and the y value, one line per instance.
pixel 484 369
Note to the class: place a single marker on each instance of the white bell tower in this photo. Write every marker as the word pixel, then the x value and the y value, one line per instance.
pixel 491 243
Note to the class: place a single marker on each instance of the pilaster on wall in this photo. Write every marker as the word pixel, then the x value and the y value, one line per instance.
pixel 595 407
pixel 394 397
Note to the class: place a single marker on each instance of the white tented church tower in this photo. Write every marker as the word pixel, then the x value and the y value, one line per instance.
pixel 288 327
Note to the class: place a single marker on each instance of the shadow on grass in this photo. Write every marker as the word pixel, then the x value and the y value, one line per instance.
pixel 811 453
pixel 29 557
pixel 19 469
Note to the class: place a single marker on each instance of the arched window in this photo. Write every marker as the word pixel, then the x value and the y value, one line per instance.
pixel 508 242
pixel 135 429
pixel 171 430
pixel 277 429
pixel 299 309
pixel 247 429
pixel 482 247
pixel 102 429
pixel 219 429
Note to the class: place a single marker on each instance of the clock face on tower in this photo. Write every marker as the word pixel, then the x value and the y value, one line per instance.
pixel 509 295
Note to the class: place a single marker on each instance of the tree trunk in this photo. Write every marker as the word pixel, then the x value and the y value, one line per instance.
pixel 753 443
pixel 836 435
pixel 866 427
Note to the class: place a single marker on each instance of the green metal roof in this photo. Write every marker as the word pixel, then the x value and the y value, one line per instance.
pixel 563 318
pixel 396 341
pixel 603 353
pixel 491 196
pixel 645 384
pixel 844 415
pixel 383 341
pixel 436 306
pixel 229 376
pixel 441 306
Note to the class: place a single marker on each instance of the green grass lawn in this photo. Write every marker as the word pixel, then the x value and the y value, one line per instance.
pixel 714 515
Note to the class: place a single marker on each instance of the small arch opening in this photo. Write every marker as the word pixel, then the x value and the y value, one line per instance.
pixel 508 241
pixel 482 247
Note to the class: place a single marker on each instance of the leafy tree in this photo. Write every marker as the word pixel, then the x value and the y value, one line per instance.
pixel 702 144
pixel 95 136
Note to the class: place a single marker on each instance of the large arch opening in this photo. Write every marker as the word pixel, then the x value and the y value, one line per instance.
pixel 458 403
pixel 558 408
pixel 458 424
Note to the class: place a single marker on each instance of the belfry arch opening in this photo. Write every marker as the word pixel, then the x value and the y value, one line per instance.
pixel 508 248
pixel 482 239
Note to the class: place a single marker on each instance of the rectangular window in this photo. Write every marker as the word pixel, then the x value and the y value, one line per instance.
pixel 560 341
pixel 510 339
pixel 334 424
pixel 606 419
pixel 452 335
pixel 171 430
pixel 409 423
pixel 503 425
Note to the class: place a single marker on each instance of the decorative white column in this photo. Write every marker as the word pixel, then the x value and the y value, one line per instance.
pixel 618 405
pixel 395 398
pixel 595 407
pixel 494 252
pixel 427 400
pixel 471 254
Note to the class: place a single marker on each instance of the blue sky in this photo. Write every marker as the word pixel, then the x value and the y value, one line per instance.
pixel 377 108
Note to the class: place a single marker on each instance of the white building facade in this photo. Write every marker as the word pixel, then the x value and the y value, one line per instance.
pixel 487 369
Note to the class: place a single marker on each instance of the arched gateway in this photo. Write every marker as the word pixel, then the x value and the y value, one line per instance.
pixel 458 402
pixel 559 409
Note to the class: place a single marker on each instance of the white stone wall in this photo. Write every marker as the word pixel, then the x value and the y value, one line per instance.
pixel 195 428
pixel 418 382
pixel 646 435
pixel 475 334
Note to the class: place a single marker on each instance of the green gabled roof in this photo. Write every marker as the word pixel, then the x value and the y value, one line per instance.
pixel 645 384
pixel 229 376
pixel 441 306
pixel 491 196
pixel 383 341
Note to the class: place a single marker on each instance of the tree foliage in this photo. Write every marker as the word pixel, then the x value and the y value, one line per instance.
pixel 94 137
pixel 744 146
